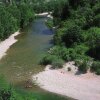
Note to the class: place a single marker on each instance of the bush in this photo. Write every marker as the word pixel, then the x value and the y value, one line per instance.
pixel 96 20
pixel 7 92
pixel 58 63
pixel 83 63
pixel 72 36
pixel 49 23
pixel 54 60
pixel 96 67
pixel 98 72
pixel 48 59
pixel 83 67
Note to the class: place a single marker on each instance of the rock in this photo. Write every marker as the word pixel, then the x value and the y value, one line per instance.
pixel 28 84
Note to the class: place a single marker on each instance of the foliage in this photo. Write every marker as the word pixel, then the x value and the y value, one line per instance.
pixel 96 20
pixel 72 36
pixel 48 59
pixel 57 63
pixel 93 37
pixel 96 67
pixel 13 17
pixel 83 67
pixel 49 23
pixel 7 92
pixel 26 14
pixel 54 60
pixel 78 35
pixel 8 23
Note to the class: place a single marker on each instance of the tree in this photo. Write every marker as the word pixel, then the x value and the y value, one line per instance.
pixel 72 36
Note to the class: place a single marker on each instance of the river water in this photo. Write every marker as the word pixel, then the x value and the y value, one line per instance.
pixel 23 57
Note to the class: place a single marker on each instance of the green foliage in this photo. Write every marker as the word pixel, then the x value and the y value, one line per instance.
pixel 8 23
pixel 84 63
pixel 7 92
pixel 27 14
pixel 79 31
pixel 13 17
pixel 72 36
pixel 54 60
pixel 96 20
pixel 83 67
pixel 61 11
pixel 57 63
pixel 93 37
pixel 49 23
pixel 96 8
pixel 48 59
pixel 96 67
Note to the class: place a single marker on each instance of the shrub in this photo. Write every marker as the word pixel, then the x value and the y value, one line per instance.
pixel 96 20
pixel 49 23
pixel 72 36
pixel 83 63
pixel 58 63
pixel 48 59
pixel 7 92
pixel 54 60
pixel 96 67
pixel 83 67
pixel 98 72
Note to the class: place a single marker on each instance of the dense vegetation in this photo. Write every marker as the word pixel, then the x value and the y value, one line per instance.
pixel 14 16
pixel 77 36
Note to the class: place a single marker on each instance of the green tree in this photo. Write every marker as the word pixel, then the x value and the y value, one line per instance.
pixel 72 36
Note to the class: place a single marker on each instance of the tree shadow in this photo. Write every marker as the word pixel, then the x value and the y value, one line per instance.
pixel 80 73
pixel 94 53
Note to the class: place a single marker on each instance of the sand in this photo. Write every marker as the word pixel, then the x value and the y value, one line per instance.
pixel 5 45
pixel 42 14
pixel 47 14
pixel 60 81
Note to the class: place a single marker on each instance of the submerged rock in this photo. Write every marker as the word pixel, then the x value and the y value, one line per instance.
pixel 28 84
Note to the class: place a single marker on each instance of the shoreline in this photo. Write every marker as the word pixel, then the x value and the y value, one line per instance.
pixel 81 87
pixel 7 43
pixel 45 14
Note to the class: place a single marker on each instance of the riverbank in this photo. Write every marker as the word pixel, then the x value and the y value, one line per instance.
pixel 80 86
pixel 5 45
pixel 45 14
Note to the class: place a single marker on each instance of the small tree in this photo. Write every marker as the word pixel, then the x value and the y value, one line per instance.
pixel 58 63
pixel 73 35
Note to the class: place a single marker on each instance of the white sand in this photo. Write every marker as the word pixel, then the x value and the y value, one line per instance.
pixel 47 14
pixel 5 45
pixel 42 14
pixel 81 87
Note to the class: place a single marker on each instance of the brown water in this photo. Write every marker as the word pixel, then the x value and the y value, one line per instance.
pixel 23 57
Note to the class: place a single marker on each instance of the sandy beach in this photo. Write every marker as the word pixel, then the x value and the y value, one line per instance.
pixel 42 14
pixel 47 14
pixel 81 87
pixel 5 45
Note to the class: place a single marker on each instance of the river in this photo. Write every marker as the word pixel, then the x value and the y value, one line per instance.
pixel 22 59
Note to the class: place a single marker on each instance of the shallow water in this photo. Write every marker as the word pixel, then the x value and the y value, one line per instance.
pixel 23 57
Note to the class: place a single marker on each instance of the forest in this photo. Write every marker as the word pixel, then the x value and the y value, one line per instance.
pixel 15 14
pixel 76 38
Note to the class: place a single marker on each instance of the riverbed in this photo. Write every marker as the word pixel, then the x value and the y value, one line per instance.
pixel 22 59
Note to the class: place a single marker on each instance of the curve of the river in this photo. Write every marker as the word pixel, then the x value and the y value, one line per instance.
pixel 23 57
